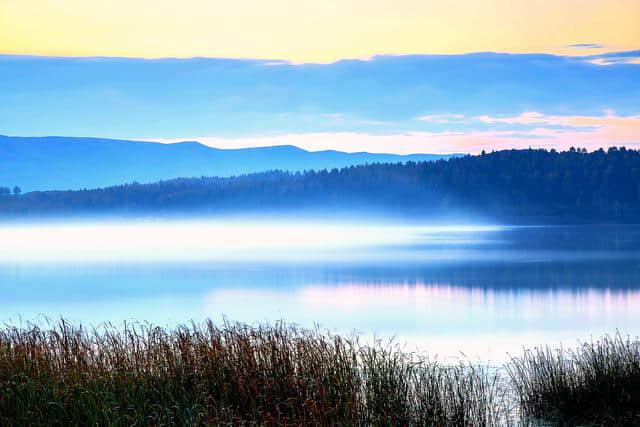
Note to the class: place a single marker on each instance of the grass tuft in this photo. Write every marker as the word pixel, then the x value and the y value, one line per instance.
pixel 596 384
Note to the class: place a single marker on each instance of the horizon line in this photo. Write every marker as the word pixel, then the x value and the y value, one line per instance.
pixel 452 153
pixel 365 58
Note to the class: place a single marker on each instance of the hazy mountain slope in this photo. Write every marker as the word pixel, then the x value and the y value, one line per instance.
pixel 512 186
pixel 47 163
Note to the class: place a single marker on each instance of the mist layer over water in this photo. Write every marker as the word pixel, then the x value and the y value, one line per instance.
pixel 212 240
pixel 482 290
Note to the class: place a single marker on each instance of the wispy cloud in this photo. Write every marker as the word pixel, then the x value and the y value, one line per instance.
pixel 591 132
pixel 441 118
pixel 614 58
pixel 542 120
pixel 587 46
pixel 526 118
pixel 615 61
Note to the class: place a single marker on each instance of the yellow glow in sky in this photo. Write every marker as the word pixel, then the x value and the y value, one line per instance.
pixel 313 31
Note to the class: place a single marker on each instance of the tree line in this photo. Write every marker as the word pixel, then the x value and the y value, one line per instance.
pixel 572 185
pixel 7 191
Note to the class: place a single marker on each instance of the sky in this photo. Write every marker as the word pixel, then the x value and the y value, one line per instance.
pixel 405 76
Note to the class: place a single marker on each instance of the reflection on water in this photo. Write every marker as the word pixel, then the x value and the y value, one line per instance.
pixel 481 291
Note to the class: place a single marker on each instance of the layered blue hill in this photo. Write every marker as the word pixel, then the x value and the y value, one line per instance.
pixel 67 163
pixel 510 187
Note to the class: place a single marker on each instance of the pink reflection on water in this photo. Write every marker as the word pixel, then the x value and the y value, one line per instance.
pixel 589 300
pixel 443 318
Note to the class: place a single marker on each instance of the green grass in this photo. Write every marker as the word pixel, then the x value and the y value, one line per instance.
pixel 283 375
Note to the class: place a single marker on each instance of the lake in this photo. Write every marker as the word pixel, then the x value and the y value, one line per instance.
pixel 482 290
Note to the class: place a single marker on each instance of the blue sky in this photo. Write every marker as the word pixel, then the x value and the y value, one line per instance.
pixel 435 103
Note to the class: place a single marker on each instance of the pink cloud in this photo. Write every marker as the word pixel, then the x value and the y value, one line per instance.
pixel 533 118
pixel 615 60
pixel 526 118
pixel 591 132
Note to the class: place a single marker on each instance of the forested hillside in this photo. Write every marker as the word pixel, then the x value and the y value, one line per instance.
pixel 66 163
pixel 602 186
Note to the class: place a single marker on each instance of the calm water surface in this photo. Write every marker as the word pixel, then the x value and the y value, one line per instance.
pixel 484 291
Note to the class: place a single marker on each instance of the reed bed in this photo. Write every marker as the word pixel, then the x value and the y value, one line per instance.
pixel 235 374
pixel 596 384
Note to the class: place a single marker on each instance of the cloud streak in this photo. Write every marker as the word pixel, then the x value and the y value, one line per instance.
pixel 615 58
pixel 591 132
pixel 587 46
pixel 441 118
pixel 535 118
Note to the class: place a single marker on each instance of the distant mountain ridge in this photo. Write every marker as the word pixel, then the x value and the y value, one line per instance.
pixel 72 163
